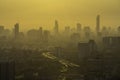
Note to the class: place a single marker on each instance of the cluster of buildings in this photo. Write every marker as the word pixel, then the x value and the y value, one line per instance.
pixel 97 50
pixel 77 34
pixel 7 70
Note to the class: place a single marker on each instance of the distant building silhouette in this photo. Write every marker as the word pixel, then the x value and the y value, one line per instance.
pixel 111 43
pixel 16 30
pixel 21 35
pixel 46 36
pixel 40 33
pixel 1 29
pixel 33 34
pixel 87 32
pixel 87 49
pixel 56 28
pixel 7 70
pixel 98 24
pixel 78 27
pixel 105 31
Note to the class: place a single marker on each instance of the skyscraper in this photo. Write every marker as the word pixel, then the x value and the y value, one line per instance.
pixel 7 70
pixel 16 30
pixel 98 23
pixel 87 49
pixel 46 35
pixel 56 30
pixel 78 27
pixel 87 32
pixel 40 31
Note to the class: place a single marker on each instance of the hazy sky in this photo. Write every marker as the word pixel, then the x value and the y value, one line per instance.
pixel 35 13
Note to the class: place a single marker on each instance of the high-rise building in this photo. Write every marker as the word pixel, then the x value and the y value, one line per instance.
pixel 75 37
pixel 111 43
pixel 104 31
pixel 46 35
pixel 78 27
pixel 16 30
pixel 56 28
pixel 87 49
pixel 98 23
pixel 87 32
pixel 7 70
pixel 40 31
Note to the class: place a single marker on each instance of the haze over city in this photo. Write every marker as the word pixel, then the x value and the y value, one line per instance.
pixel 59 40
pixel 36 13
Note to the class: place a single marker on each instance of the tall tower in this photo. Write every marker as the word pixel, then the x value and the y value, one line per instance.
pixel 78 27
pixel 56 30
pixel 98 23
pixel 40 31
pixel 16 30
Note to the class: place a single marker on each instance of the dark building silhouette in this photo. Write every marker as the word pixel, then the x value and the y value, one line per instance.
pixel 111 43
pixel 98 24
pixel 111 55
pixel 87 32
pixel 21 35
pixel 1 29
pixel 40 31
pixel 87 49
pixel 56 28
pixel 105 31
pixel 110 31
pixel 16 30
pixel 33 35
pixel 94 68
pixel 46 35
pixel 78 27
pixel 7 70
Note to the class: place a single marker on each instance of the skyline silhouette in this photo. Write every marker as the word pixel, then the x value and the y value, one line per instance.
pixel 35 13
pixel 98 25
pixel 59 39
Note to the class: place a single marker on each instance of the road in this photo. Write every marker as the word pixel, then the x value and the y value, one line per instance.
pixel 62 61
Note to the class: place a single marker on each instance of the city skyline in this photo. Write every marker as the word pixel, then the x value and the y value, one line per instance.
pixel 68 12
pixel 56 28
pixel 79 39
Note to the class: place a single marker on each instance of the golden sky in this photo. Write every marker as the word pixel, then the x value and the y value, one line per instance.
pixel 35 13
